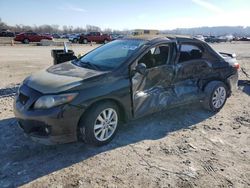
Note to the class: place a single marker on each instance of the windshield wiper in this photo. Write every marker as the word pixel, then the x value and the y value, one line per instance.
pixel 89 65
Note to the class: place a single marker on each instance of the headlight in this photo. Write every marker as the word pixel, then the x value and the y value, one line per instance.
pixel 49 101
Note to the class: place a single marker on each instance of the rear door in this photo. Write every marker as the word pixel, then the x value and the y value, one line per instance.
pixel 192 67
pixel 152 92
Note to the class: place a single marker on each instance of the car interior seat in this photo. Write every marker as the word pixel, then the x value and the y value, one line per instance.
pixel 164 50
pixel 195 54
pixel 184 56
pixel 148 59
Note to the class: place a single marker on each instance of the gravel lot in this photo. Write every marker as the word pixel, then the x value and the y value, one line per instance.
pixel 184 147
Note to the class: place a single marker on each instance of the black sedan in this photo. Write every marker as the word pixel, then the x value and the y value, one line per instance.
pixel 88 98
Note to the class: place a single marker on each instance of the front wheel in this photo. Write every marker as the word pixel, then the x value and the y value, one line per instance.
pixel 100 124
pixel 216 96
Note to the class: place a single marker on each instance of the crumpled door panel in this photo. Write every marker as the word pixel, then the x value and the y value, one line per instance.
pixel 159 98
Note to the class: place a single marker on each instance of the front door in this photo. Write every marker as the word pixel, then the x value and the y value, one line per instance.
pixel 152 91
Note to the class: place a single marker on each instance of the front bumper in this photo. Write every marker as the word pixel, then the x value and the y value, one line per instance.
pixel 47 126
pixel 36 131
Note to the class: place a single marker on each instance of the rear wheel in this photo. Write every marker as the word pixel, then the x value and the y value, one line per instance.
pixel 105 41
pixel 100 124
pixel 216 96
pixel 26 41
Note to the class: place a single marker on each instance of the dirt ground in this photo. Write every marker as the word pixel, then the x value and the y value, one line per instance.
pixel 184 147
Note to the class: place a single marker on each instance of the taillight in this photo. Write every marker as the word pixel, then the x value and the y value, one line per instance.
pixel 237 66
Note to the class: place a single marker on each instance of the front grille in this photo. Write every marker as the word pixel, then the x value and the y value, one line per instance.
pixel 23 98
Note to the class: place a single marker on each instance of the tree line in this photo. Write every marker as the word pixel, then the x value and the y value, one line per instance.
pixel 46 28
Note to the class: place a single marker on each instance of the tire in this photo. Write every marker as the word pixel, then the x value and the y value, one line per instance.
pixel 216 96
pixel 75 40
pixel 105 41
pixel 26 41
pixel 85 41
pixel 94 129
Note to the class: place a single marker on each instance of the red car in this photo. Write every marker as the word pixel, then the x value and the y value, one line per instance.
pixel 28 37
pixel 94 37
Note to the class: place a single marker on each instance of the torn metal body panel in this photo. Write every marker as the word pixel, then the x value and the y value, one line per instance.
pixel 139 76
pixel 175 87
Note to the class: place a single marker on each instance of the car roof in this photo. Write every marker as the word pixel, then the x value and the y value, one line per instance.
pixel 156 38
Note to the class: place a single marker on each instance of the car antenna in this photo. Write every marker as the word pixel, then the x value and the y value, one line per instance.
pixel 65 47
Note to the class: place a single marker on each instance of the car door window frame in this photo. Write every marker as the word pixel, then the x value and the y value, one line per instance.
pixel 196 45
pixel 150 48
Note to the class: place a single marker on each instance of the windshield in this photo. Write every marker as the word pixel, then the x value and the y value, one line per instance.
pixel 111 55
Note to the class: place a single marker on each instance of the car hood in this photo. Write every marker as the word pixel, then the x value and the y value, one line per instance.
pixel 59 78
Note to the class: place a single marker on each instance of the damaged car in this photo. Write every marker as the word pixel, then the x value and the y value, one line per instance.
pixel 89 97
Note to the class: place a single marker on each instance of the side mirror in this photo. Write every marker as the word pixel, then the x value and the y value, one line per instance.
pixel 141 68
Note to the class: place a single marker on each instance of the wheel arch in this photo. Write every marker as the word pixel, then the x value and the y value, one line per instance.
pixel 224 81
pixel 121 108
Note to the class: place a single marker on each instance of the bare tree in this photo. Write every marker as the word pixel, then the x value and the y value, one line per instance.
pixel 3 25
pixel 90 28
pixel 79 30
pixel 107 30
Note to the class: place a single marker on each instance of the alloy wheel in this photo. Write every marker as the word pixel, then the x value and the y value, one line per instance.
pixel 219 97
pixel 105 124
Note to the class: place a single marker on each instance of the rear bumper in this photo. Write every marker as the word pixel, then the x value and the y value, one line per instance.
pixel 232 82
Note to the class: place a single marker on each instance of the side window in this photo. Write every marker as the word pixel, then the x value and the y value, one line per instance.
pixel 156 56
pixel 190 52
pixel 31 34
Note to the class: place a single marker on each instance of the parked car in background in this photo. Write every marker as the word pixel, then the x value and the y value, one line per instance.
pixel 116 36
pixel 56 36
pixel 74 38
pixel 200 37
pixel 229 38
pixel 244 39
pixel 88 98
pixel 28 37
pixel 97 37
pixel 7 33
pixel 65 36
pixel 211 39
pixel 224 38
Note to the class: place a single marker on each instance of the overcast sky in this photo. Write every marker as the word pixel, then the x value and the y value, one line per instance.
pixel 127 14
